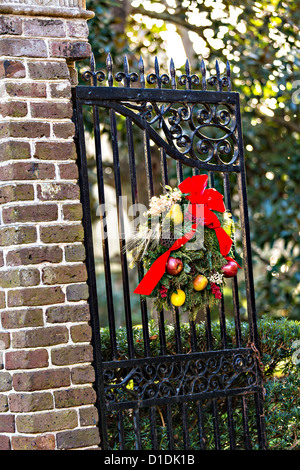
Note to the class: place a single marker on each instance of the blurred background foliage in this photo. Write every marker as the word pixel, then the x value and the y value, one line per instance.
pixel 261 41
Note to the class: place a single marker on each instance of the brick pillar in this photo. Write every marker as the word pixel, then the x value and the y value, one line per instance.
pixel 47 399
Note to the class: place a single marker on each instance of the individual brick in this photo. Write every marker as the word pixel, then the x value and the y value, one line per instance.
pixel 61 233
pixel 27 171
pixel 68 171
pixel 9 279
pixel 78 438
pixel 48 70
pixel 68 313
pixel 30 402
pixel 10 25
pixel 35 296
pixel 3 403
pixel 21 47
pixel 77 292
pixel 44 422
pixel 36 27
pixel 12 69
pixel 1 259
pixel 64 130
pixel 41 379
pixel 34 255
pixel 81 333
pixel 71 355
pixel 55 151
pixel 26 359
pixel 5 381
pixel 13 109
pixel 7 423
pixel 26 90
pixel 75 253
pixel 44 442
pixel 24 318
pixel 57 191
pixel 77 29
pixel 30 213
pixel 4 442
pixel 17 235
pixel 24 128
pixel 69 50
pixel 51 110
pixel 72 211
pixel 88 416
pixel 74 397
pixel 60 90
pixel 39 337
pixel 14 150
pixel 64 274
pixel 5 340
pixel 2 299
pixel 83 375
pixel 16 192
pixel 4 129
pixel 29 277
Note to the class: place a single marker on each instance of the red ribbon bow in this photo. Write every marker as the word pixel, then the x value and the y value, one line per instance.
pixel 212 200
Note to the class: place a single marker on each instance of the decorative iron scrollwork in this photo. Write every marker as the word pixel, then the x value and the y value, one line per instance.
pixel 180 376
pixel 190 128
pixel 205 132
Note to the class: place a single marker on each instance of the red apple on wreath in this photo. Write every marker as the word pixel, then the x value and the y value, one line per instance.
pixel 174 266
pixel 230 269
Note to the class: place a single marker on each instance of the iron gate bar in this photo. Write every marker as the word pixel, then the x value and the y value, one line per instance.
pixel 118 100
pixel 135 200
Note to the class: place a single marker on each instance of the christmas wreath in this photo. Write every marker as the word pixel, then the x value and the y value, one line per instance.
pixel 185 247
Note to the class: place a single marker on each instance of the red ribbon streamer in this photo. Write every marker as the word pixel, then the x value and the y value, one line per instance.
pixel 212 200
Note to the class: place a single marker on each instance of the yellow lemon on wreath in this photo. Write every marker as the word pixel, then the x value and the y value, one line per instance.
pixel 228 224
pixel 175 214
pixel 178 298
pixel 200 282
pixel 227 229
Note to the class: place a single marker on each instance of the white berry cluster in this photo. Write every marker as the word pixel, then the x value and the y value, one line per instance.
pixel 216 278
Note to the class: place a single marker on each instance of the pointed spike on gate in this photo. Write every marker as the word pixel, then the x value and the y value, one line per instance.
pixel 218 76
pixel 126 72
pixel 187 67
pixel 109 60
pixel 173 73
pixel 109 66
pixel 92 62
pixel 156 66
pixel 203 73
pixel 228 74
pixel 217 70
pixel 142 72
pixel 126 66
pixel 93 69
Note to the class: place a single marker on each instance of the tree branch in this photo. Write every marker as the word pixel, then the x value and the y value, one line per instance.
pixel 168 17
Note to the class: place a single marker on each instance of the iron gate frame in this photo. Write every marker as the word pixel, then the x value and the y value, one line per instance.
pixel 113 98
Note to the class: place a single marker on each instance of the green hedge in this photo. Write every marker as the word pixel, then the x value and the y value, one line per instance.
pixel 281 375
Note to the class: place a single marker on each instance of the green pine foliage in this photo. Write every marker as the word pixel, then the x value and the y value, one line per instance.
pixel 204 261
pixel 203 258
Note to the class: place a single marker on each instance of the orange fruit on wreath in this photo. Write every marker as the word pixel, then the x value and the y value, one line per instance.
pixel 178 298
pixel 200 282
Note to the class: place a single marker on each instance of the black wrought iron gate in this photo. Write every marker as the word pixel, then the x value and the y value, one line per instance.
pixel 191 385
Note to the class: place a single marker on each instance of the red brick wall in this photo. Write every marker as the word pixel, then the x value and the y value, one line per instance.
pixel 46 375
